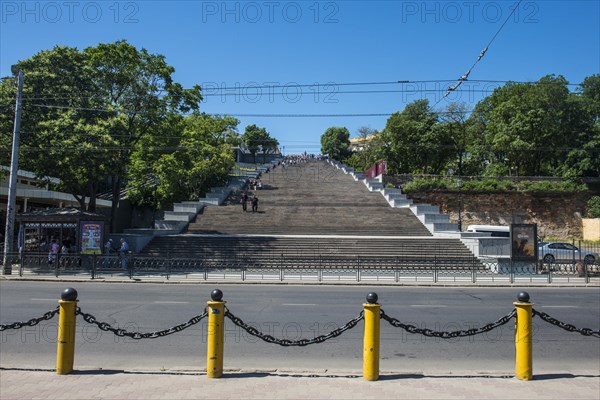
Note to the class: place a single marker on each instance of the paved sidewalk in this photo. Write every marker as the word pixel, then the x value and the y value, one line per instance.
pixel 127 384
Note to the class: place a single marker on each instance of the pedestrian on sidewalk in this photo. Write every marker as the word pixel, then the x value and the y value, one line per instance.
pixel 108 248
pixel 255 204
pixel 53 254
pixel 245 201
pixel 123 253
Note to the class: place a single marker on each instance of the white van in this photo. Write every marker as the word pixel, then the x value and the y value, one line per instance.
pixel 493 230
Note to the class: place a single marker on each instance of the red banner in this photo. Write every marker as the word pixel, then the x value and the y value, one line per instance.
pixel 376 170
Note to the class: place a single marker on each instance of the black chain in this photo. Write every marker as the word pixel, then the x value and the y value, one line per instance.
pixel 286 342
pixel 32 322
pixel 448 335
pixel 137 335
pixel 565 326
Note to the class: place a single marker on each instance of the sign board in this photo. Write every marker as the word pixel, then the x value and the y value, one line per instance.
pixel 523 239
pixel 91 237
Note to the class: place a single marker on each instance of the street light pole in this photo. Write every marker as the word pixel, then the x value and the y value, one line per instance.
pixel 12 183
pixel 156 182
pixel 459 184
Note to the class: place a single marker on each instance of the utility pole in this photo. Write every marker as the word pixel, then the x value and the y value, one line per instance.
pixel 12 183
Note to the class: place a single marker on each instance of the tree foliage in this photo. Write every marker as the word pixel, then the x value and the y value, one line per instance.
pixel 335 142
pixel 521 129
pixel 258 140
pixel 188 164
pixel 109 114
pixel 85 111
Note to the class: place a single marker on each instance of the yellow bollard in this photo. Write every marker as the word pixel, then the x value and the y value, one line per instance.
pixel 371 338
pixel 65 352
pixel 523 338
pixel 216 333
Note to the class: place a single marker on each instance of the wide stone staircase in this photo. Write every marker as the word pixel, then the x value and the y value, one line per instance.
pixel 311 214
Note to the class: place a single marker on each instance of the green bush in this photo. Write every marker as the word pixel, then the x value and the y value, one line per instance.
pixel 428 184
pixel 488 184
pixel 593 207
pixel 492 184
pixel 551 186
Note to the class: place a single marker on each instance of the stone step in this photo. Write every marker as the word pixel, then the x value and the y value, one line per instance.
pixel 179 216
pixel 308 199
pixel 401 203
pixel 419 209
pixel 188 207
pixel 443 227
pixel 434 218
pixel 210 201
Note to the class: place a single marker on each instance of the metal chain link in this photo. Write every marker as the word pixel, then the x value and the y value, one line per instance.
pixel 137 335
pixel 448 335
pixel 565 326
pixel 286 342
pixel 32 322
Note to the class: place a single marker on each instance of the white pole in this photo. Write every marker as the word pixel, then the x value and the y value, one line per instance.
pixel 12 183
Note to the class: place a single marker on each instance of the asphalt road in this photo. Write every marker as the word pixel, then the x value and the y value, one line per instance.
pixel 294 312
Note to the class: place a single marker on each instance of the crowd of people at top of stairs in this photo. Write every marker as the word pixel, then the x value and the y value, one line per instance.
pixel 294 159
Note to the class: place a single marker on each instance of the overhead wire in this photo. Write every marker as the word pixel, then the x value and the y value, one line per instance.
pixel 465 76
pixel 210 89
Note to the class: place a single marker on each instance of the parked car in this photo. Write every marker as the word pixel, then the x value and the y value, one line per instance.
pixel 550 252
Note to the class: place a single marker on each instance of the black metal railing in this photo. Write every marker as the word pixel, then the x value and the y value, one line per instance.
pixel 320 267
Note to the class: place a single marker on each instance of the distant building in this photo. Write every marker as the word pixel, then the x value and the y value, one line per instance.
pixel 33 195
pixel 359 144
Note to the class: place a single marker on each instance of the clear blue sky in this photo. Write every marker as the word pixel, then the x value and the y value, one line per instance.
pixel 244 44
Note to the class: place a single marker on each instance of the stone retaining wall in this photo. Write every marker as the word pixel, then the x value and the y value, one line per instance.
pixel 558 215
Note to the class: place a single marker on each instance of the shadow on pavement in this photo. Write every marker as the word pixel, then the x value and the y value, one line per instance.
pixel 320 375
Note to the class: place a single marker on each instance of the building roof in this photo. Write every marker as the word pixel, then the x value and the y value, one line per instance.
pixel 59 214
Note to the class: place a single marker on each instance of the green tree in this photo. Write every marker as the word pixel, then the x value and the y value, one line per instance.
pixel 139 87
pixel 533 127
pixel 586 159
pixel 454 128
pixel 335 143
pixel 60 131
pixel 409 142
pixel 86 111
pixel 186 166
pixel 258 140
pixel 204 159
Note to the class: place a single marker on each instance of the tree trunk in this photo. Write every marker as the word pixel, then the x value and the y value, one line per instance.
pixel 80 200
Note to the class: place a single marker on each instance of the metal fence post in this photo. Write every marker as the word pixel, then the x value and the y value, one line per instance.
pixel 129 262
pixel 473 271
pixel 93 269
pixel 215 335
pixel 512 271
pixel 65 351
pixel 523 338
pixel 21 264
pixel 372 317
pixel 586 272
pixel 168 268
